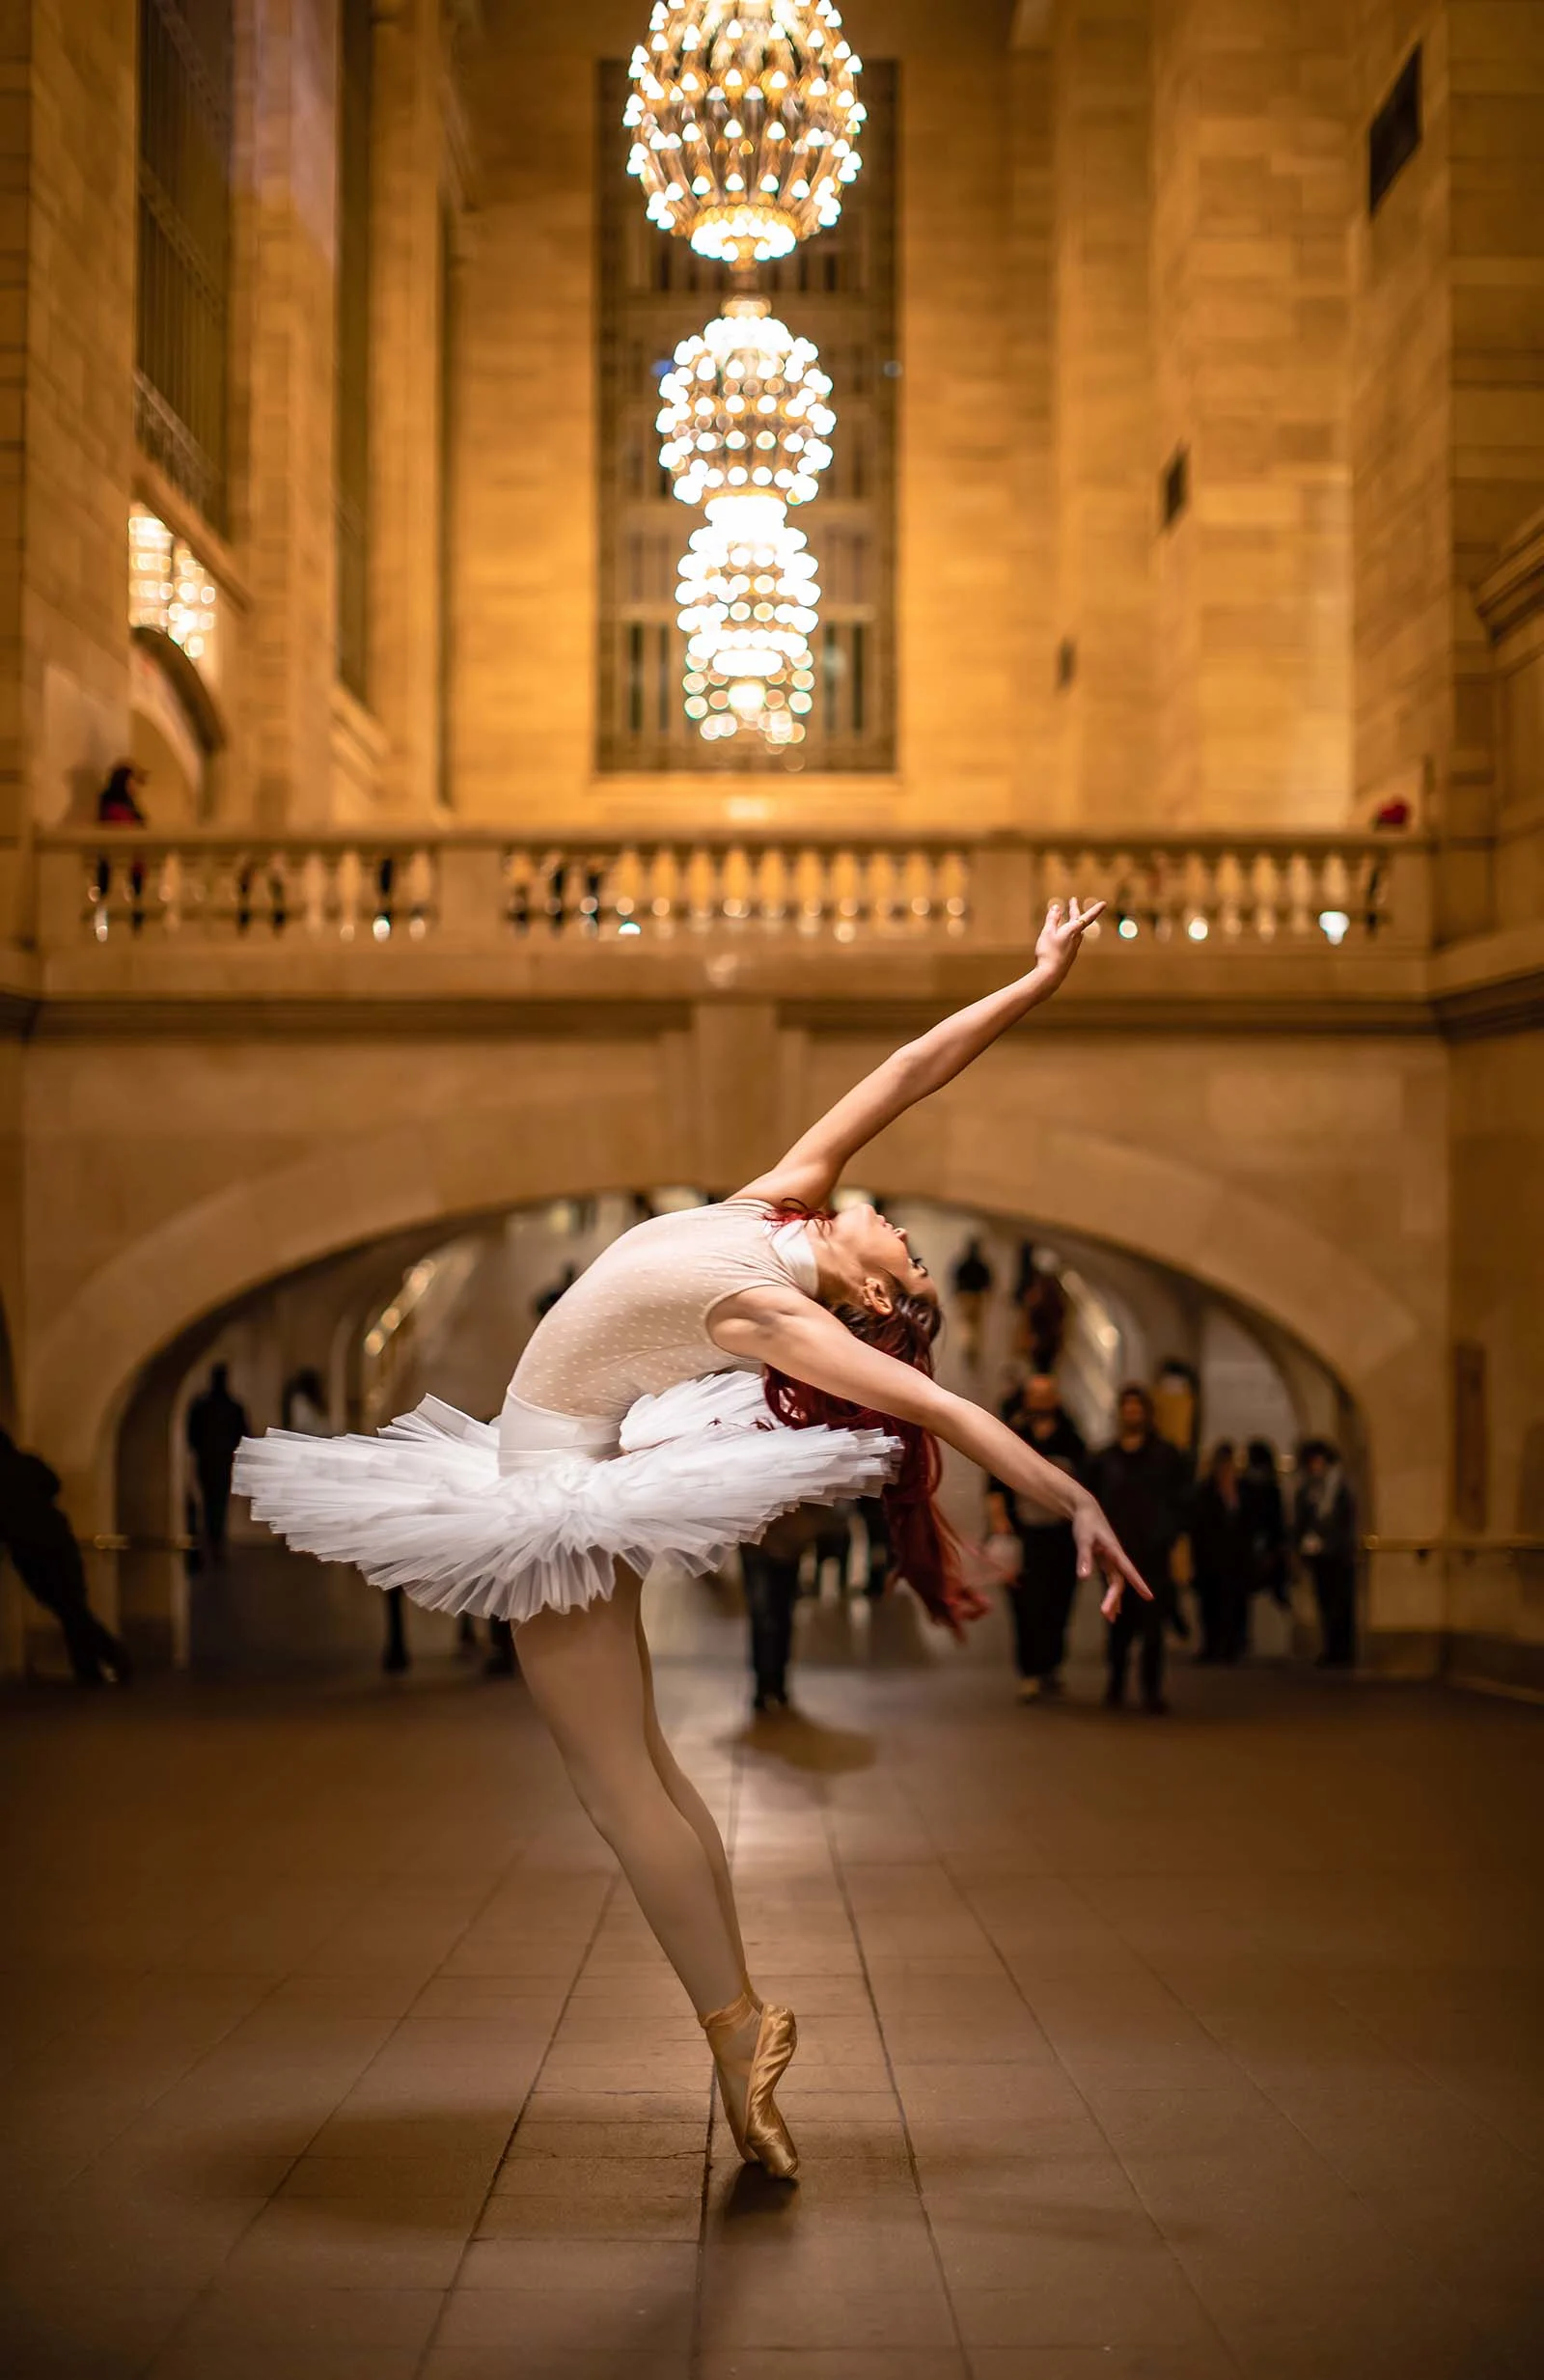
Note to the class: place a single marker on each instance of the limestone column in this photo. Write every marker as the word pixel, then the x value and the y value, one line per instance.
pixel 1103 409
pixel 407 151
pixel 283 498
pixel 67 362
pixel 1448 414
pixel 1251 199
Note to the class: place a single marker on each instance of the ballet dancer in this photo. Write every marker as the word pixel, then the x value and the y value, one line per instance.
pixel 710 1370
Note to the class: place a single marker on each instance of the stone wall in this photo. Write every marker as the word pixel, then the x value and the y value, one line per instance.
pixel 1105 451
pixel 1250 207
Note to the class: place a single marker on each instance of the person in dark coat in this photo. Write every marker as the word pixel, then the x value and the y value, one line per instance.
pixel 770 1573
pixel 1324 1532
pixel 1142 1482
pixel 1042 1597
pixel 1259 1489
pixel 1223 1551
pixel 38 1536
pixel 216 1424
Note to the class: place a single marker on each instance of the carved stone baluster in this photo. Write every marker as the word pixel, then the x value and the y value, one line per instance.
pixel 954 892
pixel 312 878
pixel 277 903
pixel 812 890
pixel 618 893
pixel 885 891
pixel 1336 899
pixel 773 888
pixel 1302 915
pixel 1231 887
pixel 702 889
pixel 845 895
pixel 1266 890
pixel 916 892
pixel 665 891
pixel 168 891
pixel 419 891
pixel 736 886
pixel 348 892
pixel 1198 898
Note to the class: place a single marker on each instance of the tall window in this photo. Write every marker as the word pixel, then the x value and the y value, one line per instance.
pixel 187 55
pixel 352 391
pixel 839 291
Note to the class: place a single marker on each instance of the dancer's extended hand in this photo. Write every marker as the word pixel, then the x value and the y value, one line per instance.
pixel 1100 1549
pixel 1061 936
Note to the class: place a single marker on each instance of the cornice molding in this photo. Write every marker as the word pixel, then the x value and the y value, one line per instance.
pixel 1513 592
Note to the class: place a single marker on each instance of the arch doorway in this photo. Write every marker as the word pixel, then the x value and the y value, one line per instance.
pixel 368 1333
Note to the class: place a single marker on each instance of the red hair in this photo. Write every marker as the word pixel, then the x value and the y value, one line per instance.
pixel 923 1549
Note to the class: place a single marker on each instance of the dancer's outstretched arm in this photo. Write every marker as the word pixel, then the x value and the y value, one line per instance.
pixel 790 1333
pixel 812 1166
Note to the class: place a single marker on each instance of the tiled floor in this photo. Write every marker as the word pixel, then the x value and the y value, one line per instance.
pixel 333 2049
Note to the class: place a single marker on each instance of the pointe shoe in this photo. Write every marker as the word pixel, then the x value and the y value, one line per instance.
pixel 764 2138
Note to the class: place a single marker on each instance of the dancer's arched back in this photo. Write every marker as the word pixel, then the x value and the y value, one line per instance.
pixel 629 1430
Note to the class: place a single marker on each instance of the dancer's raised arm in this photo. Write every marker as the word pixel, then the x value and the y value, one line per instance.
pixel 813 1164
pixel 789 1333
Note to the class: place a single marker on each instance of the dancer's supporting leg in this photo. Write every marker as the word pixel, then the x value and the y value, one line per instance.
pixel 588 1676
pixel 689 1802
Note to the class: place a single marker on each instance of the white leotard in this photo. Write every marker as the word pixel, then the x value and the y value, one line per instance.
pixel 635 1322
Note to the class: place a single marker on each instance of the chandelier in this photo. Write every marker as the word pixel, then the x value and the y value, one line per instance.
pixel 748 597
pixel 745 407
pixel 745 118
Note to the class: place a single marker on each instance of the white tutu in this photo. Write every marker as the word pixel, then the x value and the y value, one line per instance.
pixel 426 1507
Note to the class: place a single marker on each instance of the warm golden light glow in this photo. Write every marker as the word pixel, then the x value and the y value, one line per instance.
pixel 748 597
pixel 170 588
pixel 745 407
pixel 745 118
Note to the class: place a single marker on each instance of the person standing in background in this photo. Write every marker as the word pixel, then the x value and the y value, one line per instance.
pixel 36 1534
pixel 216 1424
pixel 1324 1531
pixel 970 1286
pixel 1143 1478
pixel 1259 1490
pixel 1223 1552
pixel 1047 1582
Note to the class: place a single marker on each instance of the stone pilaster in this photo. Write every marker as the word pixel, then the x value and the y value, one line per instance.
pixel 1251 195
pixel 1448 413
pixel 66 354
pixel 1103 408
pixel 407 146
pixel 284 499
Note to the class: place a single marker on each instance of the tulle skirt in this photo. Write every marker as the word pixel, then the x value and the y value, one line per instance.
pixel 532 1512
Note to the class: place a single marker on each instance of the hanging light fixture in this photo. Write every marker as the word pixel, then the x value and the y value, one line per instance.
pixel 745 118
pixel 745 406
pixel 748 597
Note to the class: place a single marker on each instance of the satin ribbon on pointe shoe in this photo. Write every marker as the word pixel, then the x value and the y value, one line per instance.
pixel 763 2139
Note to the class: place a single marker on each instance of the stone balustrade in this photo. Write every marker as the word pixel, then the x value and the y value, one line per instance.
pixel 476 888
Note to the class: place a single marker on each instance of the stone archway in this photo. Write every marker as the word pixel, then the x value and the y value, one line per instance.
pixel 214 1252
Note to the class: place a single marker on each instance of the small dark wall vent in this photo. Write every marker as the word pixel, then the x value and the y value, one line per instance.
pixel 1173 486
pixel 1394 133
pixel 1066 663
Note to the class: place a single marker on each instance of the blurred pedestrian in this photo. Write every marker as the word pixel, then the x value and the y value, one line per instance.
pixel 36 1534
pixel 216 1424
pixel 1141 1481
pixel 770 1572
pixel 1046 1585
pixel 1324 1529
pixel 1259 1489
pixel 303 1405
pixel 970 1286
pixel 1223 1556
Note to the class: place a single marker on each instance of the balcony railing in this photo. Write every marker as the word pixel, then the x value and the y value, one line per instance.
pixel 471 888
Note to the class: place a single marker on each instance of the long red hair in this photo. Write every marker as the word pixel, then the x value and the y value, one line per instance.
pixel 923 1549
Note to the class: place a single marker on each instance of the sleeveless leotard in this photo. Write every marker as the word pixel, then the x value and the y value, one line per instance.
pixel 636 1324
